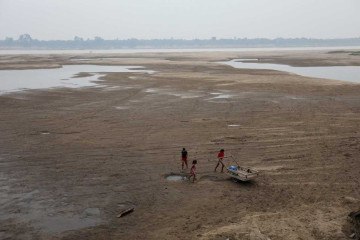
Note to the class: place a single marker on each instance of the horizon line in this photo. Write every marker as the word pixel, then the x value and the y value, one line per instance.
pixel 214 38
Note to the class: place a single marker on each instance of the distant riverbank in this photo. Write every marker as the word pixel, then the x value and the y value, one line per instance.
pixel 169 50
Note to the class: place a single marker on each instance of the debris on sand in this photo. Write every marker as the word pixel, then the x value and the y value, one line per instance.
pixel 255 234
pixel 355 218
pixel 350 200
pixel 125 212
pixel 125 208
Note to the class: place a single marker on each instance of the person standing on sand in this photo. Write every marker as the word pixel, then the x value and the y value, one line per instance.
pixel 221 156
pixel 193 171
pixel 184 155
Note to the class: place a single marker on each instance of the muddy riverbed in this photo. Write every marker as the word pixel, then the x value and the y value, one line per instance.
pixel 71 159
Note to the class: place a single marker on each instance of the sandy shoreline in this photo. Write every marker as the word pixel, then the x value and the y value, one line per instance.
pixel 293 58
pixel 71 159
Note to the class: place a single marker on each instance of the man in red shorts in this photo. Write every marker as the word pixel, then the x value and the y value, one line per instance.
pixel 221 156
pixel 184 155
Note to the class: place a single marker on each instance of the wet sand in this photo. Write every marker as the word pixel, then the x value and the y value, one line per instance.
pixel 72 159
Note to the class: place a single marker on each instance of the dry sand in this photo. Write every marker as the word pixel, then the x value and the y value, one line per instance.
pixel 72 159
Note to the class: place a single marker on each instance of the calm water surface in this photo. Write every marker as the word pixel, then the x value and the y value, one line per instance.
pixel 342 73
pixel 19 80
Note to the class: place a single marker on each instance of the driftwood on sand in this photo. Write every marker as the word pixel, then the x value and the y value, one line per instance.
pixel 125 212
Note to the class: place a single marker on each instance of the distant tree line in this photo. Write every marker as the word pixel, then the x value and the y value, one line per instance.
pixel 25 41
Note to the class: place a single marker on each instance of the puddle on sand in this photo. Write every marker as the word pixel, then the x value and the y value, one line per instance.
pixel 58 224
pixel 115 88
pixel 152 90
pixel 226 84
pixel 295 98
pixel 95 59
pixel 223 96
pixel 182 95
pixel 175 178
pixel 122 107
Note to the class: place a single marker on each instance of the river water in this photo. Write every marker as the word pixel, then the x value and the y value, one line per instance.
pixel 342 73
pixel 19 80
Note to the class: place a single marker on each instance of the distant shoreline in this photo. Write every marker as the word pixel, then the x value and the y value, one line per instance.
pixel 26 42
pixel 154 50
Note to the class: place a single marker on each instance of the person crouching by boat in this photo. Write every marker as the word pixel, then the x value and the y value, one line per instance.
pixel 193 171
pixel 184 155
pixel 221 156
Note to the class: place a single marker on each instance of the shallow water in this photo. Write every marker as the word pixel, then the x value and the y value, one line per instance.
pixel 342 73
pixel 175 178
pixel 223 96
pixel 122 107
pixel 172 92
pixel 18 80
pixel 58 224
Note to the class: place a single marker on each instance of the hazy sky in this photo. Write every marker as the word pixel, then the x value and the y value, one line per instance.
pixel 64 19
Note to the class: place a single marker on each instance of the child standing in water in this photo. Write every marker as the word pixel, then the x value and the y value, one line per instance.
pixel 193 171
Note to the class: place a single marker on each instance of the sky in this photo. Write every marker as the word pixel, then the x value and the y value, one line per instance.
pixel 186 19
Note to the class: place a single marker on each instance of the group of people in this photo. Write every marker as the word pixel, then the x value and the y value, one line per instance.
pixel 184 162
